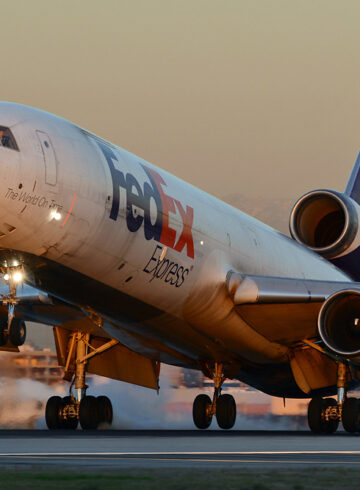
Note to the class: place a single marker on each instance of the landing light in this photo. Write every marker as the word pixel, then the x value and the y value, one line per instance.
pixel 6 277
pixel 55 215
pixel 17 277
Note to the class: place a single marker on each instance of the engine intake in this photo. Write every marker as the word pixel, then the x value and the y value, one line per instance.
pixel 339 323
pixel 325 221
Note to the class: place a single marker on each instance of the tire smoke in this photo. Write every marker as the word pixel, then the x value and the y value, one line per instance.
pixel 23 406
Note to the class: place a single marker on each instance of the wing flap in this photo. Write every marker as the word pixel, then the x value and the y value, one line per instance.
pixel 282 323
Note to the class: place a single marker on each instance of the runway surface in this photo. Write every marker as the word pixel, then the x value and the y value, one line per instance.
pixel 154 448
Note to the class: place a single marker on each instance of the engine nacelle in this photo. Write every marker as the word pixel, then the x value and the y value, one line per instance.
pixel 327 222
pixel 339 323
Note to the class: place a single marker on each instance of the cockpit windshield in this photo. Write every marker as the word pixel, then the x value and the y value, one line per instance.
pixel 7 139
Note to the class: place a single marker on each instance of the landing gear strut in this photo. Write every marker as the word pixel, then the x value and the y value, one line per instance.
pixel 324 414
pixel 13 329
pixel 223 406
pixel 90 411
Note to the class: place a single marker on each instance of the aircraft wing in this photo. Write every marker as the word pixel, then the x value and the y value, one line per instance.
pixel 284 310
pixel 116 361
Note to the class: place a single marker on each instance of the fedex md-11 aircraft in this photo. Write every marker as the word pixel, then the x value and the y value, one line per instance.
pixel 133 267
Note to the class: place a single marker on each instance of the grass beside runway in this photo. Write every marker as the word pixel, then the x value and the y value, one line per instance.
pixel 254 478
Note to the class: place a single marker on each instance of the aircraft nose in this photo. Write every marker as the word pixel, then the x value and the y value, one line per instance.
pixel 10 176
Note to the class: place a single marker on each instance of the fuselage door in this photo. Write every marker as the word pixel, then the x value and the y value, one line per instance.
pixel 49 158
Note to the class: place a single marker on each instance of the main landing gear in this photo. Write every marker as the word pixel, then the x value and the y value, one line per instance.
pixel 65 413
pixel 324 414
pixel 90 411
pixel 223 406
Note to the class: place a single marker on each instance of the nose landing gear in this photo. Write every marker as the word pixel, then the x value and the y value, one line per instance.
pixel 90 411
pixel 223 406
pixel 16 333
pixel 13 329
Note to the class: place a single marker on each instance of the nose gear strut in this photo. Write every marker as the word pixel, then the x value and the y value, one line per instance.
pixel 14 329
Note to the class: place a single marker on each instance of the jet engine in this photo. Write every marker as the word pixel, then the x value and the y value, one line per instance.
pixel 339 323
pixel 327 222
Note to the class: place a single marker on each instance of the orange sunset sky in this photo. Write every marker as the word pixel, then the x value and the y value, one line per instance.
pixel 256 97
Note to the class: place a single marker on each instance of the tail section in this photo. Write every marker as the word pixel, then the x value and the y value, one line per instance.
pixel 353 186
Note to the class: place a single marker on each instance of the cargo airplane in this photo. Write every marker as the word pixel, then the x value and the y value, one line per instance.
pixel 133 267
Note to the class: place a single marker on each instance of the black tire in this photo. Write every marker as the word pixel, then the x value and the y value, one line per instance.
pixel 225 411
pixel 17 333
pixel 70 423
pixel 53 413
pixel 314 415
pixel 330 426
pixel 105 410
pixel 316 409
pixel 351 415
pixel 3 335
pixel 88 413
pixel 200 407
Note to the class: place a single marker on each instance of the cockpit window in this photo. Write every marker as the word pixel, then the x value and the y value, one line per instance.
pixel 7 139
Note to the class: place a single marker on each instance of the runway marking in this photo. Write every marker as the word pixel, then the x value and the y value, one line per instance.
pixel 182 453
pixel 212 461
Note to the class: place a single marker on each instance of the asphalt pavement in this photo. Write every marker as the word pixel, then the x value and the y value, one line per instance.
pixel 186 448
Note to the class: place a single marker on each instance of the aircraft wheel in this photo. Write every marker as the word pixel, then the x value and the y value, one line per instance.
pixel 314 415
pixel 17 333
pixel 105 410
pixel 53 411
pixel 88 413
pixel 351 415
pixel 3 336
pixel 316 420
pixel 330 426
pixel 225 411
pixel 70 423
pixel 201 406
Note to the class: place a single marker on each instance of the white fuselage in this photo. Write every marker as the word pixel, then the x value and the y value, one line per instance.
pixel 77 200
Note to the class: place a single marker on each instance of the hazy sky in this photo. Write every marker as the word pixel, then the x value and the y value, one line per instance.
pixel 249 96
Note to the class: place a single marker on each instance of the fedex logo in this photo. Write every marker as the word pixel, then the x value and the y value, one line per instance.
pixel 156 223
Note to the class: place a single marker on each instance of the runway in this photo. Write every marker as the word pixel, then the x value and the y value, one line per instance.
pixel 150 448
